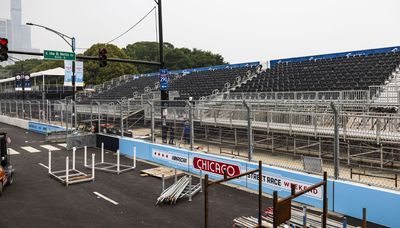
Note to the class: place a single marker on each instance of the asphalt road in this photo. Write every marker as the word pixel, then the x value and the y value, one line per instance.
pixel 37 200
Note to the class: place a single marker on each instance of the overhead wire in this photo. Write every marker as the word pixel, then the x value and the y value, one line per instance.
pixel 133 26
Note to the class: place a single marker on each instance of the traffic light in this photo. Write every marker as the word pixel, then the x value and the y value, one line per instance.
pixel 3 49
pixel 102 57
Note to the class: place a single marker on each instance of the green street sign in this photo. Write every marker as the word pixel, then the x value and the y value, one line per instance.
pixel 58 55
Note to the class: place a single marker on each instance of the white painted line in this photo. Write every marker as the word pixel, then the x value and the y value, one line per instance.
pixel 62 145
pixel 106 198
pixel 12 151
pixel 43 165
pixel 30 149
pixel 50 147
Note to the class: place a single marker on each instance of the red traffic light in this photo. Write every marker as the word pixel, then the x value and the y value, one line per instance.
pixel 3 41
pixel 103 51
pixel 103 57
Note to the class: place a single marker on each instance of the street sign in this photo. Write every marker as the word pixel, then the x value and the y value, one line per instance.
pixel 58 55
pixel 163 79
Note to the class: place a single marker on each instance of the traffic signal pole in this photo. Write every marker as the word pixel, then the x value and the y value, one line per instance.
pixel 94 58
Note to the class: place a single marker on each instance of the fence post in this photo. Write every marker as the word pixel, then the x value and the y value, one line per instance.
pixel 30 110
pixel 364 221
pixel 16 109
pixel 249 130
pixel 151 104
pixel 121 116
pixel 50 111
pixel 191 123
pixel 98 116
pixel 66 116
pixel 336 141
pixel 38 103
pixel 91 110
pixel 75 115
pixel 381 153
pixel 378 130
pixel 47 111
pixel 23 109
pixel 62 113
pixel 10 109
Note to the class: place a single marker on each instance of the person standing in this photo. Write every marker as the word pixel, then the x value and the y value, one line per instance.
pixel 171 135
pixel 186 132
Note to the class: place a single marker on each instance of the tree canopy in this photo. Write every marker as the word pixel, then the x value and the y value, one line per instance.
pixel 94 74
pixel 175 58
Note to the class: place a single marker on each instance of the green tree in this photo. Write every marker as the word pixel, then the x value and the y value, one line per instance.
pixel 175 58
pixel 30 66
pixel 94 74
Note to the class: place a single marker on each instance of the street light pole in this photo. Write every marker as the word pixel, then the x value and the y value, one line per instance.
pixel 73 47
pixel 73 79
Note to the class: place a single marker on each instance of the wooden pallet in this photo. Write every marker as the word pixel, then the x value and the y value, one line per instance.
pixel 159 171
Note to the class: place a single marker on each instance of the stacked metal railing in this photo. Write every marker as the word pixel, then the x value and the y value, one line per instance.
pixel 181 188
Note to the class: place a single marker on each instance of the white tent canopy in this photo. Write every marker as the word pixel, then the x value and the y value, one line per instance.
pixel 52 72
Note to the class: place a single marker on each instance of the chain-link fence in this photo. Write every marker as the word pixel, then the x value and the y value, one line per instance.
pixel 285 136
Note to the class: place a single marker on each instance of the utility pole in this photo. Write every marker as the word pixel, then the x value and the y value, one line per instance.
pixel 164 92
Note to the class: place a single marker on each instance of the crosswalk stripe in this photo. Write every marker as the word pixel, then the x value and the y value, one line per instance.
pixel 30 149
pixel 50 147
pixel 12 151
pixel 62 145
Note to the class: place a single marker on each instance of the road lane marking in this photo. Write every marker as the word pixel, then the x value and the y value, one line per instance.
pixel 43 165
pixel 106 198
pixel 62 145
pixel 50 147
pixel 12 151
pixel 30 149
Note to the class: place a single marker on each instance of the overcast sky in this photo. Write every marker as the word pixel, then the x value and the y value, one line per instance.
pixel 240 31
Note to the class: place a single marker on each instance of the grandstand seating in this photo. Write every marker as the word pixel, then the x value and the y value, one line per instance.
pixel 334 74
pixel 203 83
pixel 127 88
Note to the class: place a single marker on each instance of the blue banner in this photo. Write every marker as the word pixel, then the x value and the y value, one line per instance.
pixel 188 71
pixel 27 83
pixel 335 55
pixel 18 82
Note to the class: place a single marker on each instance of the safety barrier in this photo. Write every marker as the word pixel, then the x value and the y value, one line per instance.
pixel 24 124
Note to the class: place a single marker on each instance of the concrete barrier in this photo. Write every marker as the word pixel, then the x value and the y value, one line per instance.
pixel 24 124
